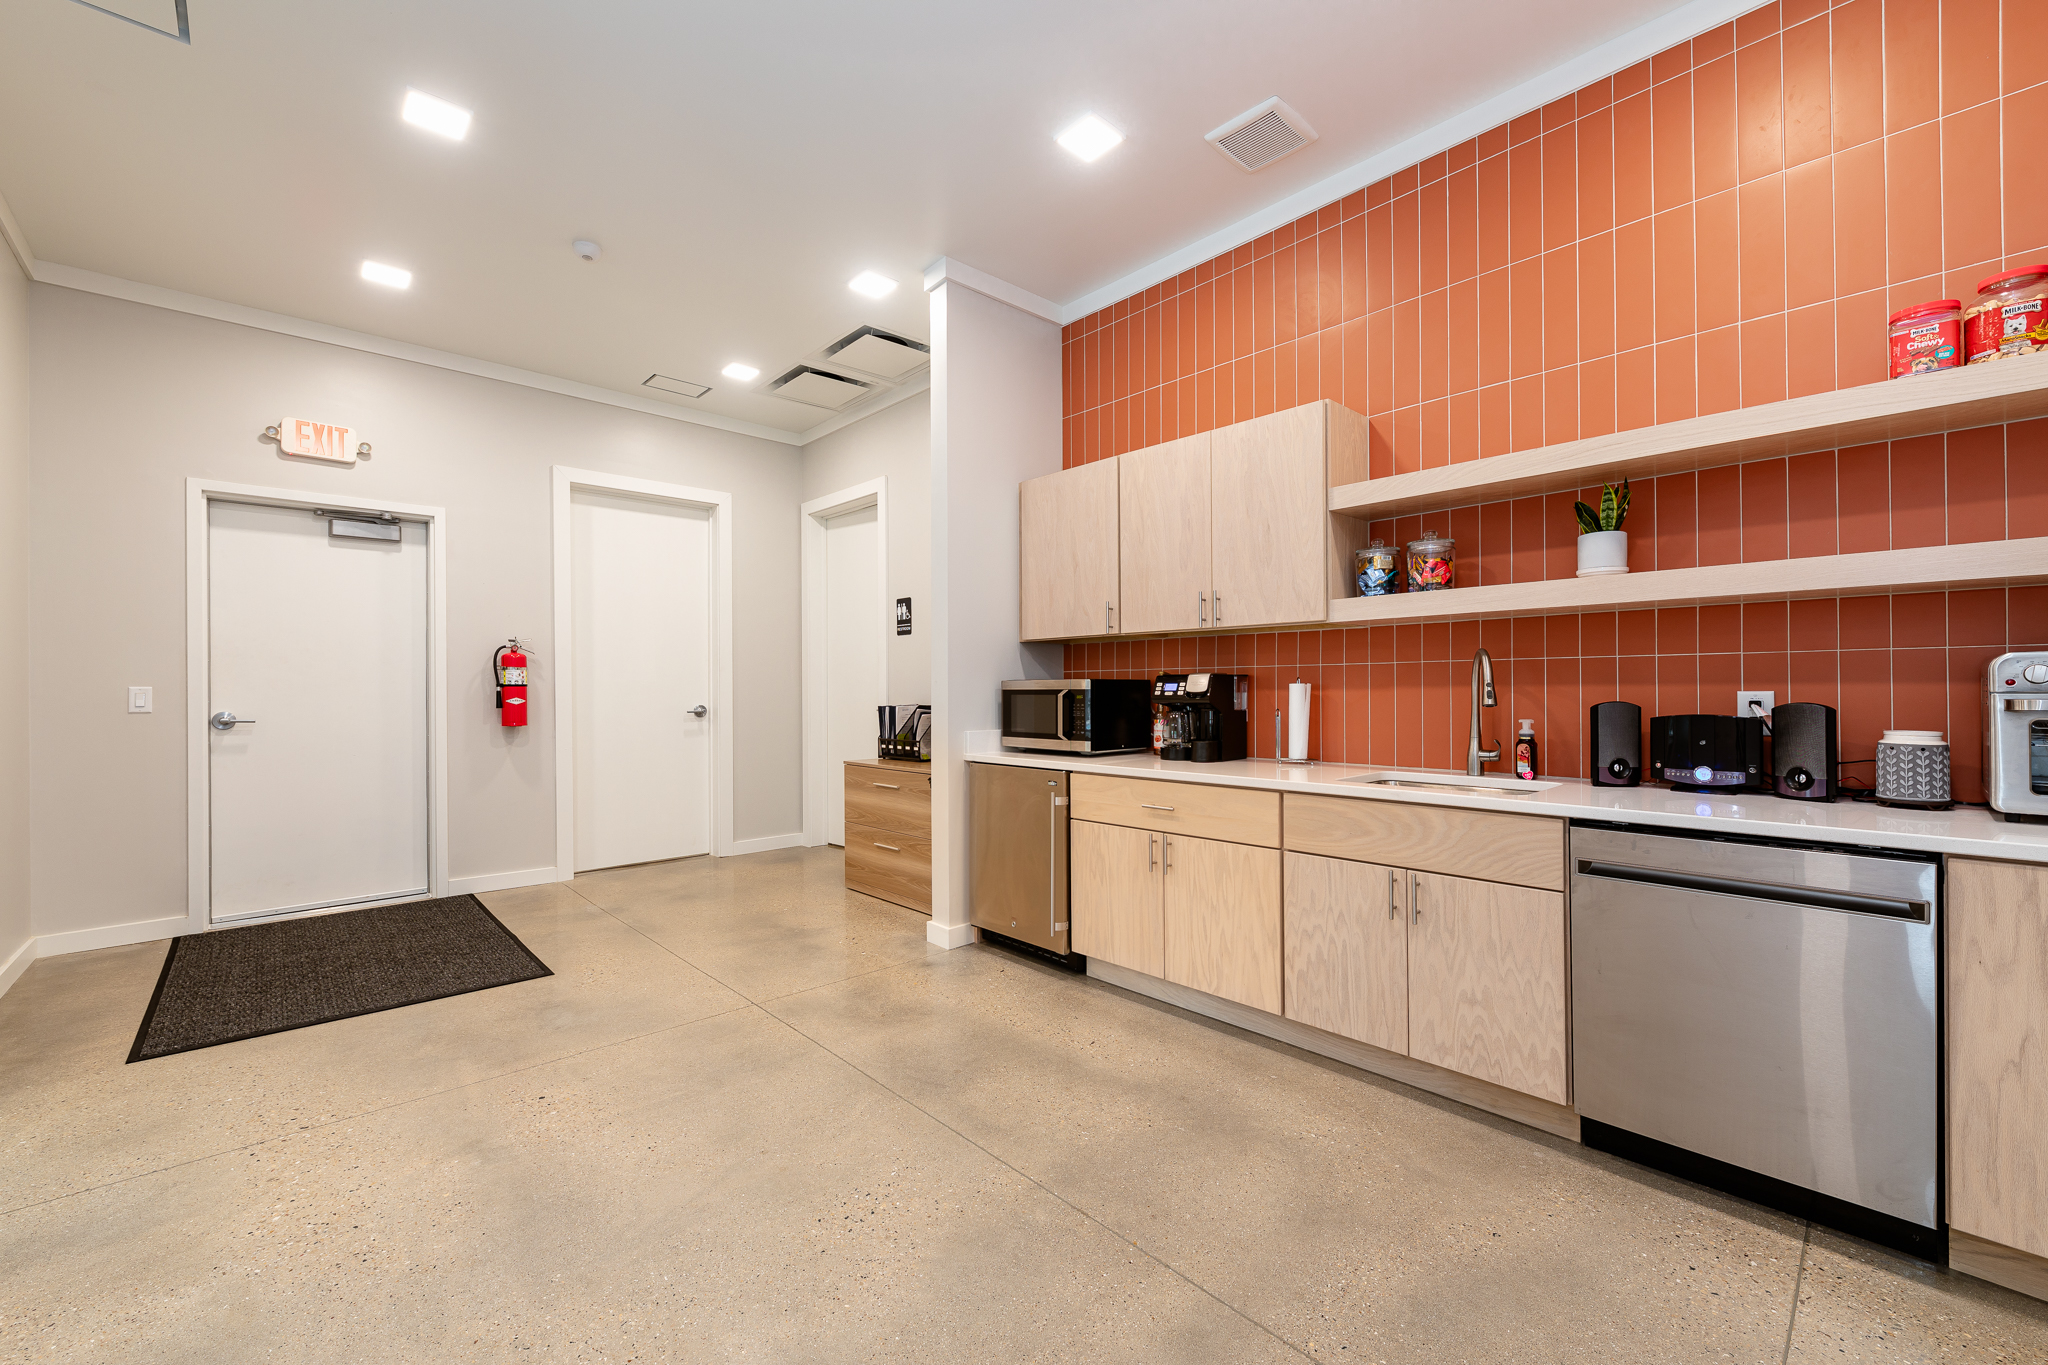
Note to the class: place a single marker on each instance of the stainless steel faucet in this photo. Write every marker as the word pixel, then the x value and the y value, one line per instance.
pixel 1482 678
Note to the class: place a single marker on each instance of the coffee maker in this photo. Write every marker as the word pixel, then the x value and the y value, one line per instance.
pixel 1202 715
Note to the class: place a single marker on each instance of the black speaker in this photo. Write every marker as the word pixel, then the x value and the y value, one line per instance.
pixel 1708 753
pixel 1615 730
pixel 1806 758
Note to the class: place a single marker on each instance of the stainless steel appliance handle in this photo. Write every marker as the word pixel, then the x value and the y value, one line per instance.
pixel 1059 717
pixel 1813 897
pixel 1052 859
pixel 891 847
pixel 1143 806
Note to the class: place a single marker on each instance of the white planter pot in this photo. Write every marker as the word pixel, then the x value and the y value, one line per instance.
pixel 1602 552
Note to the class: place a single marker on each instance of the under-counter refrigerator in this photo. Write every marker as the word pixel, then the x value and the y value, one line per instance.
pixel 1017 854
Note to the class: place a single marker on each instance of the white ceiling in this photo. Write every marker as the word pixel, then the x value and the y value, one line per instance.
pixel 738 162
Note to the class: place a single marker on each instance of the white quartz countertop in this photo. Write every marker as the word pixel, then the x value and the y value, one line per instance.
pixel 1968 830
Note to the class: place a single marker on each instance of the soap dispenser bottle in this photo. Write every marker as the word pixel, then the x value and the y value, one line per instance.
pixel 1525 751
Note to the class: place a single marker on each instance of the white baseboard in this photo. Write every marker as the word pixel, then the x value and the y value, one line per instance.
pixel 111 936
pixel 950 935
pixel 11 971
pixel 768 844
pixel 503 881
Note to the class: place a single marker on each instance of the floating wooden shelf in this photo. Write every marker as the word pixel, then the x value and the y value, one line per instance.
pixel 1950 400
pixel 1984 564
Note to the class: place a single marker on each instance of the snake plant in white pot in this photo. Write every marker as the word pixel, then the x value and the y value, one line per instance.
pixel 1603 545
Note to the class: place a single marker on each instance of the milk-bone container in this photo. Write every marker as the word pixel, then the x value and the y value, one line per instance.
pixel 1927 336
pixel 2010 316
pixel 1430 562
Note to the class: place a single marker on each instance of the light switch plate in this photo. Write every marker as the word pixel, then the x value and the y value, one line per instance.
pixel 1743 699
pixel 141 699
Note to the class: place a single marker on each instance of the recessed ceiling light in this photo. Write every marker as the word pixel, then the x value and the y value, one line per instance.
pixel 436 116
pixel 1089 138
pixel 740 372
pixel 387 274
pixel 871 284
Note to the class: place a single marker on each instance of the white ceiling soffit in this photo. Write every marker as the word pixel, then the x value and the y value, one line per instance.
pixel 818 388
pixel 872 351
pixel 159 16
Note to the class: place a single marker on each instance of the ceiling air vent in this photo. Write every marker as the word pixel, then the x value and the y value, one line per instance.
pixel 817 388
pixel 1259 137
pixel 679 386
pixel 882 354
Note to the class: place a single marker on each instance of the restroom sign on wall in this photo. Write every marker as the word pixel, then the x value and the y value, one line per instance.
pixel 317 440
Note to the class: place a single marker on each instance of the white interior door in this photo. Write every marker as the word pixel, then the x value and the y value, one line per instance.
pixel 854 641
pixel 319 644
pixel 640 594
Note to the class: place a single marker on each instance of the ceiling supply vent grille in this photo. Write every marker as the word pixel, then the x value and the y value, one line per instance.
pixel 817 388
pixel 167 17
pixel 1259 137
pixel 882 354
pixel 676 386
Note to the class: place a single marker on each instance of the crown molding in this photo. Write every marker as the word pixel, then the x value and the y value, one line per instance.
pixel 945 270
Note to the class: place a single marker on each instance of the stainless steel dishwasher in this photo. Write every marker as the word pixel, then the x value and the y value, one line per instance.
pixel 1764 1017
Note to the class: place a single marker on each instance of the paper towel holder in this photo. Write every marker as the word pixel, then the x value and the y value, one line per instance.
pixel 1280 744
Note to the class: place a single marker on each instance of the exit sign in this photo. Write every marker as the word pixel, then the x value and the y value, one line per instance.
pixel 317 440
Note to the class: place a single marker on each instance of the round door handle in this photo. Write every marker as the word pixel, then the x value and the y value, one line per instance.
pixel 698 712
pixel 227 720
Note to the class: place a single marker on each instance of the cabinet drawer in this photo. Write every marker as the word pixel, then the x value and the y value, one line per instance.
pixel 889 866
pixel 1231 814
pixel 889 798
pixel 1522 850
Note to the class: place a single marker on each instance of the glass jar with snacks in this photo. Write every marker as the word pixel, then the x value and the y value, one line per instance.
pixel 2010 316
pixel 1378 568
pixel 1927 336
pixel 1430 562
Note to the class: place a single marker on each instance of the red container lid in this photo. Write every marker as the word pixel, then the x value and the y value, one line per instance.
pixel 1937 306
pixel 2009 277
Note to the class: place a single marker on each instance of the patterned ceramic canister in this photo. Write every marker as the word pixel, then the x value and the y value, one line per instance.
pixel 1912 769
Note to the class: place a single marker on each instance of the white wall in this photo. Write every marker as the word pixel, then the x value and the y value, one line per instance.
pixel 130 400
pixel 995 422
pixel 14 620
pixel 893 444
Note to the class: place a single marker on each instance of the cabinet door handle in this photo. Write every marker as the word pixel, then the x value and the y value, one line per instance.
pixel 887 786
pixel 1151 852
pixel 891 847
pixel 1204 601
pixel 1168 844
pixel 1415 897
pixel 1216 606
pixel 1107 624
pixel 1393 896
pixel 1145 806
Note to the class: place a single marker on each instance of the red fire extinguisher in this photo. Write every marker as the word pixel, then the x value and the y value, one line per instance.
pixel 508 662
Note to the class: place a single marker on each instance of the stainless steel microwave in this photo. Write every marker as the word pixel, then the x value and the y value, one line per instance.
pixel 1078 715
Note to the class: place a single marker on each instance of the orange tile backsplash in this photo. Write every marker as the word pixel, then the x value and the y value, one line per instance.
pixel 1727 224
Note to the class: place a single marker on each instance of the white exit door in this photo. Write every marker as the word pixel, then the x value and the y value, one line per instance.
pixel 640 603
pixel 317 646
pixel 854 641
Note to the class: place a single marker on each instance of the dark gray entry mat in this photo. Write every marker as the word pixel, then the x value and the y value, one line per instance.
pixel 231 984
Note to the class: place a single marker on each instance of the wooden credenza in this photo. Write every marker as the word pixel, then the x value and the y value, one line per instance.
pixel 889 831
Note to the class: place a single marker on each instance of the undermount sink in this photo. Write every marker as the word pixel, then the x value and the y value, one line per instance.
pixel 1455 783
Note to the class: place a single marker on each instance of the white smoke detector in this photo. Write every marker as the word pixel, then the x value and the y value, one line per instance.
pixel 588 250
pixel 1259 137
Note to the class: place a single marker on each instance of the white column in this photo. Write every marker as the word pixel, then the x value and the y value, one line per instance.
pixel 995 423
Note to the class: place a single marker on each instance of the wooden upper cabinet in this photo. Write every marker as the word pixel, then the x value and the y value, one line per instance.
pixel 1486 982
pixel 1067 562
pixel 1279 556
pixel 1163 502
pixel 1997 1042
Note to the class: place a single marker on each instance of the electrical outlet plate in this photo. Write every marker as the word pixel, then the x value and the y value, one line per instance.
pixel 1743 699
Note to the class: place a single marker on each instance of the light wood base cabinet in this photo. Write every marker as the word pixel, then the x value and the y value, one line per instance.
pixel 1486 992
pixel 1347 949
pixel 1222 919
pixel 889 831
pixel 1115 897
pixel 1997 1061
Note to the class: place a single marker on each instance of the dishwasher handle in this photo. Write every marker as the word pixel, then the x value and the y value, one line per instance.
pixel 1817 898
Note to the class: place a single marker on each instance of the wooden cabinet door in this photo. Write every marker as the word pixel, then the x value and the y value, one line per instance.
pixel 1346 935
pixel 1163 528
pixel 1270 518
pixel 1114 901
pixel 1222 919
pixel 1067 585
pixel 1486 982
pixel 1998 1052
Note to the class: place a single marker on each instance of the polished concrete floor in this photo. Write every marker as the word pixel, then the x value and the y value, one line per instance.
pixel 754 1117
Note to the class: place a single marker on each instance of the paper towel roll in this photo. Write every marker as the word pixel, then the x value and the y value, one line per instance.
pixel 1297 721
